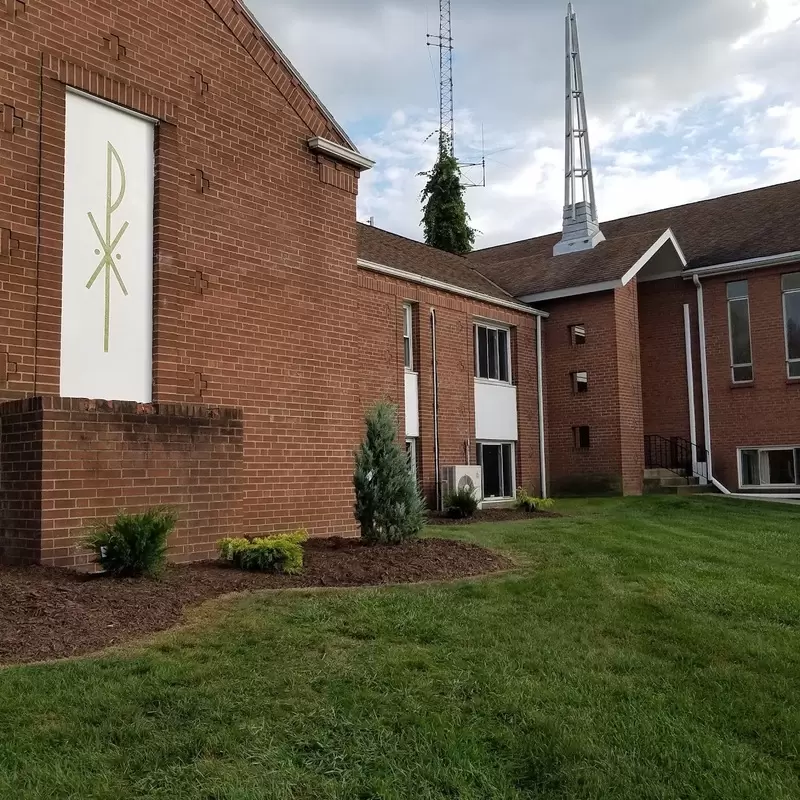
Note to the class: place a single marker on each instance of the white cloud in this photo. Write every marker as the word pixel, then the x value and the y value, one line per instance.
pixel 687 99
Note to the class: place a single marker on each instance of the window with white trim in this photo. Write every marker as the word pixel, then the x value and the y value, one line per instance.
pixel 411 455
pixel 769 466
pixel 408 336
pixel 739 332
pixel 496 460
pixel 790 284
pixel 492 353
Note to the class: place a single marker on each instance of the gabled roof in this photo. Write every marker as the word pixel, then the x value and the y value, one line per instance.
pixel 390 250
pixel 752 224
pixel 244 25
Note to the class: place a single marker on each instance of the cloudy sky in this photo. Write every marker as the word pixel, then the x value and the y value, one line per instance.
pixel 687 99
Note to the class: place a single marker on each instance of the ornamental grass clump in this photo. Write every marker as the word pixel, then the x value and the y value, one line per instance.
pixel 133 545
pixel 282 554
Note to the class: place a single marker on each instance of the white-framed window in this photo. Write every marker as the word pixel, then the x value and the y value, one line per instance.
pixel 739 332
pixel 408 336
pixel 790 284
pixel 498 469
pixel 411 455
pixel 769 466
pixel 492 353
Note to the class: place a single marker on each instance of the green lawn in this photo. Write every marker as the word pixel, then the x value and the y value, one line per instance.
pixel 648 648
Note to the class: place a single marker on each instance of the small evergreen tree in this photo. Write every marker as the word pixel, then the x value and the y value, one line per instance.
pixel 389 507
pixel 445 217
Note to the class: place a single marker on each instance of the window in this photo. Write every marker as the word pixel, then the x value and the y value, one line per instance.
pixel 408 336
pixel 580 382
pixel 492 353
pixel 739 329
pixel 791 317
pixel 577 334
pixel 581 437
pixel 497 469
pixel 772 466
pixel 411 455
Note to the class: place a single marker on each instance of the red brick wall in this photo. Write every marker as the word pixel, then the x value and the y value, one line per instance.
pixel 255 280
pixel 20 480
pixel 382 372
pixel 67 463
pixel 629 377
pixel 766 412
pixel 612 406
pixel 664 391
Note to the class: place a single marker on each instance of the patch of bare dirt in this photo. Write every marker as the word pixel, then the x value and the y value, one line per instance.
pixel 49 613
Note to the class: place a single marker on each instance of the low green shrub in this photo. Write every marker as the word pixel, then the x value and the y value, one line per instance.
pixel 460 504
pixel 282 553
pixel 132 545
pixel 529 503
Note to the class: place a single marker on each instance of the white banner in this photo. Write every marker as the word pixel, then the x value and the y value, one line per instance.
pixel 107 273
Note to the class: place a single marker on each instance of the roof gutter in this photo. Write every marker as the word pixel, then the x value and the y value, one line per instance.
pixel 339 153
pixel 743 266
pixel 412 277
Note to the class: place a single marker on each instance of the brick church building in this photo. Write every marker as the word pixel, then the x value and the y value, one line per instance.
pixel 191 315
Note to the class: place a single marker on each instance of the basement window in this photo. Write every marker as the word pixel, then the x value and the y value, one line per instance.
pixel 581 437
pixel 739 331
pixel 771 466
pixel 791 319
pixel 496 461
pixel 577 334
pixel 492 353
pixel 580 382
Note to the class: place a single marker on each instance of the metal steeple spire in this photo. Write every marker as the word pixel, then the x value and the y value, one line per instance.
pixel 581 228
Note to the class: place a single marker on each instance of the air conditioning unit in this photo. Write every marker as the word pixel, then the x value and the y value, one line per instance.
pixel 456 478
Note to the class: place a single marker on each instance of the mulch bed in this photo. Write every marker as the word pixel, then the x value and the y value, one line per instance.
pixel 492 515
pixel 48 613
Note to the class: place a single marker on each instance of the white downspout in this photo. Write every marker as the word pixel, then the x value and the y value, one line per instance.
pixel 437 467
pixel 540 399
pixel 701 324
pixel 687 331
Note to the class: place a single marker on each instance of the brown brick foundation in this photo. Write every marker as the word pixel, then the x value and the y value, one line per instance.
pixel 68 462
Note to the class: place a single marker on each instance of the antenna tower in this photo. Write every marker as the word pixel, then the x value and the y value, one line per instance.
pixel 444 41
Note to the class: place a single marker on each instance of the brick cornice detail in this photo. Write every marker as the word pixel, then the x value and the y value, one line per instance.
pixel 235 19
pixel 108 88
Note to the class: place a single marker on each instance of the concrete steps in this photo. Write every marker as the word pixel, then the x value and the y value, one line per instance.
pixel 665 481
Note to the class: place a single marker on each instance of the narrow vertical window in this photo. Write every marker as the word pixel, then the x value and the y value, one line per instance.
pixel 739 330
pixel 411 455
pixel 791 319
pixel 580 382
pixel 577 334
pixel 581 437
pixel 408 336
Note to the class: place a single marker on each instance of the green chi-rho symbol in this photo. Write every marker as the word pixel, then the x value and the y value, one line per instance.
pixel 107 244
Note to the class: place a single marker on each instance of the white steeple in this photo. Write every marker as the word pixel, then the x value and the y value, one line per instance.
pixel 581 228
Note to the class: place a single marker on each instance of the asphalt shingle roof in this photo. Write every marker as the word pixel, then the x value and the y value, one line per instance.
pixel 391 250
pixel 752 224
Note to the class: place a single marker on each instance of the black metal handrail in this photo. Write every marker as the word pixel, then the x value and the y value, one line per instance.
pixel 675 454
